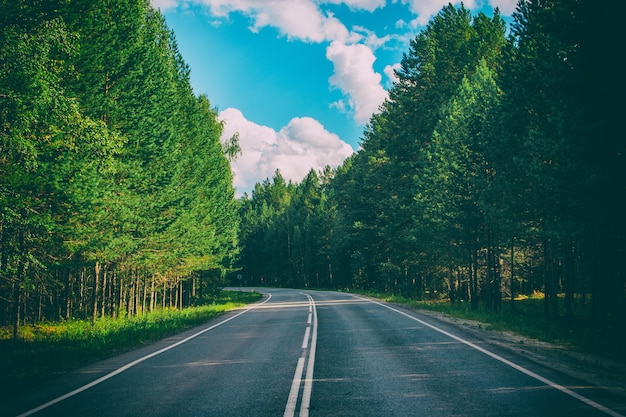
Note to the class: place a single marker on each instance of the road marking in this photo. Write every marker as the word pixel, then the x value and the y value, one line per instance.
pixel 290 409
pixel 311 335
pixel 305 342
pixel 308 381
pixel 136 362
pixel 513 365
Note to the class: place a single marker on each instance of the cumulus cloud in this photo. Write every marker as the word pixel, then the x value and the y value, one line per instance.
pixel 164 4
pixel 368 37
pixel 350 50
pixel 390 72
pixel 296 148
pixel 369 5
pixel 355 76
pixel 425 9
pixel 296 19
pixel 507 7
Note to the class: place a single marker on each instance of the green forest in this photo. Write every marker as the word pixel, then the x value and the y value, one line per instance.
pixel 116 196
pixel 494 171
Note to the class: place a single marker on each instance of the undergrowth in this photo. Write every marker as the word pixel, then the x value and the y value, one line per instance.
pixel 45 349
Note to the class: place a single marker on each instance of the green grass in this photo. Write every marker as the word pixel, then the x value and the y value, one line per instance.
pixel 528 320
pixel 44 350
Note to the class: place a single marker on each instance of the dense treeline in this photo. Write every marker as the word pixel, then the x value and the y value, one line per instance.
pixel 495 169
pixel 115 194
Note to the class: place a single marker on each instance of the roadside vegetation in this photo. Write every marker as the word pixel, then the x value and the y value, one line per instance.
pixel 45 349
pixel 495 170
pixel 116 193
pixel 525 317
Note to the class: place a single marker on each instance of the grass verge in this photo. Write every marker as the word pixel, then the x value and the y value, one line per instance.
pixel 48 349
pixel 527 319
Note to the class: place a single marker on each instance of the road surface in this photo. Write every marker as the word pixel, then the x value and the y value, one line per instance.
pixel 300 353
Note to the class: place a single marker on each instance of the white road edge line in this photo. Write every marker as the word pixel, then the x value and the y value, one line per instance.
pixel 292 401
pixel 530 373
pixel 308 381
pixel 135 362
pixel 290 409
pixel 305 341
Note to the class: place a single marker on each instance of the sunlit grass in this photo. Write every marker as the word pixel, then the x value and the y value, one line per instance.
pixel 49 348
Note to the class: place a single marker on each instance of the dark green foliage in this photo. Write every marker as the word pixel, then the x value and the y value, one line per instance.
pixel 495 169
pixel 115 194
pixel 562 111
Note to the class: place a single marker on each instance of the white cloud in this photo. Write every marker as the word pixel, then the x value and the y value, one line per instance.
pixel 507 7
pixel 340 105
pixel 369 37
pixel 389 72
pixel 425 9
pixel 296 19
pixel 164 4
pixel 355 76
pixel 296 148
pixel 349 51
pixel 369 5
pixel 401 24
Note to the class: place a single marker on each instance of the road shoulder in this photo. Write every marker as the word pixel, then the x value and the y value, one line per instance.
pixel 597 371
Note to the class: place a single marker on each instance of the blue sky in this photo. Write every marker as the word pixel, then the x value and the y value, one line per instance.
pixel 297 79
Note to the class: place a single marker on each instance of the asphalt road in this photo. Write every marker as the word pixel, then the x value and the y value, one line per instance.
pixel 319 354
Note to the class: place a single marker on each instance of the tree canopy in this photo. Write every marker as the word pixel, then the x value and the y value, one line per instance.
pixel 495 169
pixel 115 194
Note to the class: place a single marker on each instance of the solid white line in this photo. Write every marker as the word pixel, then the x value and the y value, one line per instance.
pixel 308 382
pixel 530 373
pixel 135 362
pixel 290 409
pixel 305 341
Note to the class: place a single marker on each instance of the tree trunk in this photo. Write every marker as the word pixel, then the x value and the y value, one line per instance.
pixel 513 275
pixel 130 310
pixel 69 293
pixel 17 288
pixel 568 278
pixel 4 305
pixel 96 279
pixel 105 295
pixel 473 280
pixel 551 306
pixel 181 292
pixel 115 293
pixel 81 291
pixel 164 294
pixel 17 296
pixel 137 294
pixel 152 294
pixel 144 296
pixel 121 288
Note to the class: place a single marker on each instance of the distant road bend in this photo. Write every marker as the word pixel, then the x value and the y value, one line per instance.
pixel 301 352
